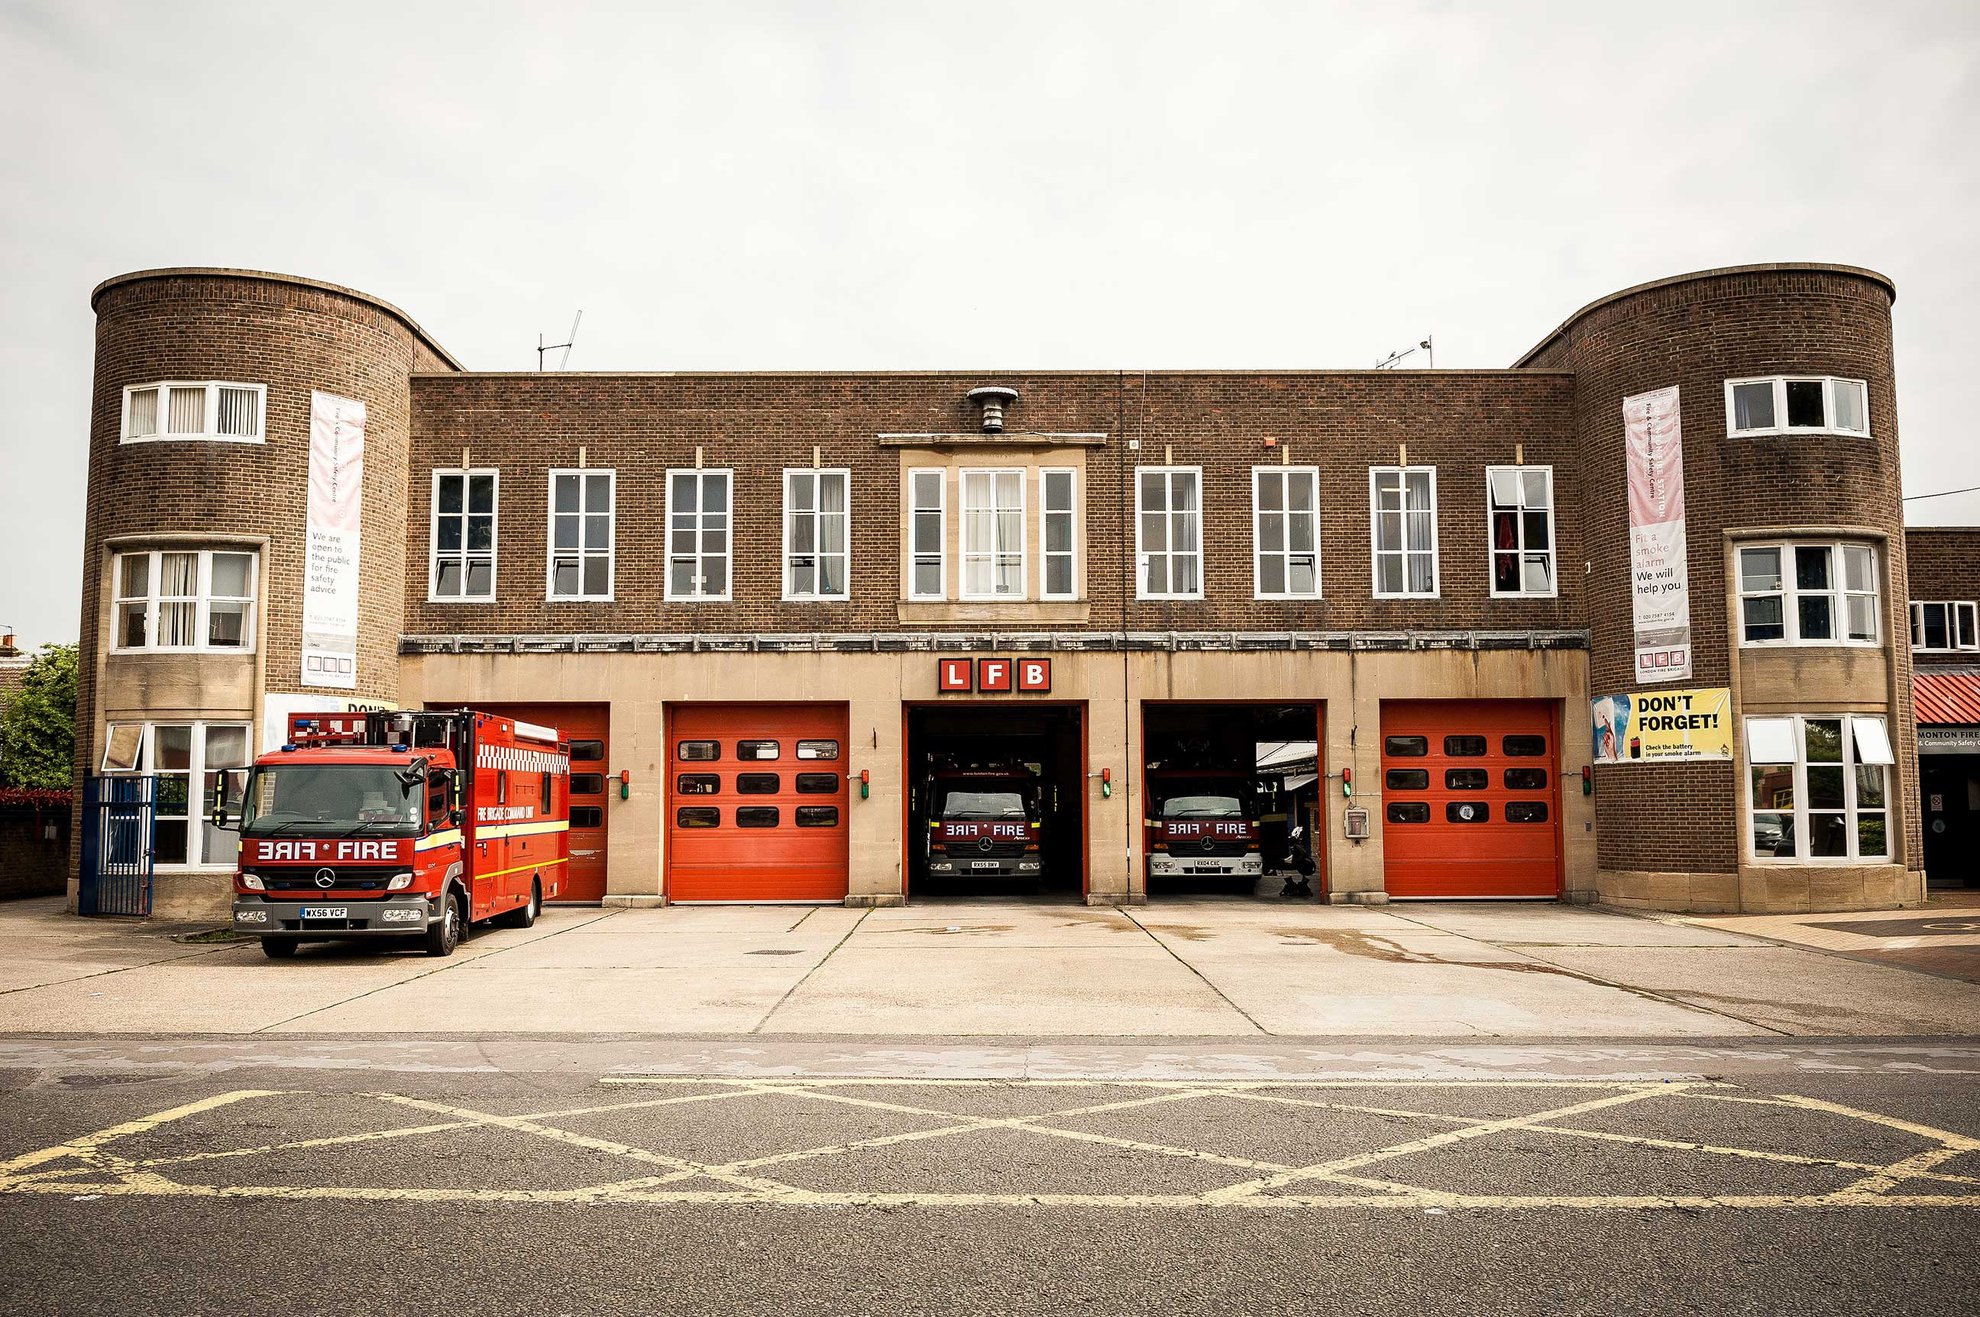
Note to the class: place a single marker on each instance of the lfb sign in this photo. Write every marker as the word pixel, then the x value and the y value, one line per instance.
pixel 994 676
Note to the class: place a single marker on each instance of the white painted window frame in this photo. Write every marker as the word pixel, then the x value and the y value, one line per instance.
pixel 940 511
pixel 1955 609
pixel 203 598
pixel 611 550
pixel 1851 811
pixel 210 418
pixel 1780 426
pixel 816 514
pixel 1045 515
pixel 1285 514
pixel 1838 594
pixel 1142 554
pixel 197 806
pixel 1524 549
pixel 1375 550
pixel 699 556
pixel 433 552
pixel 987 475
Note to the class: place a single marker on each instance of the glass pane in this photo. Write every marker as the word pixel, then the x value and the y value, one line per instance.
pixel 136 575
pixel 1467 779
pixel 927 489
pixel 927 578
pixel 481 579
pixel 759 784
pixel 1154 532
pixel 690 751
pixel 597 576
pixel 447 535
pixel 175 624
pixel 818 816
pixel 1272 574
pixel 1464 747
pixel 1388 532
pixel 481 533
pixel 1470 811
pixel 169 841
pixel 1183 491
pixel 1058 534
pixel 226 625
pixel 1271 491
pixel 1420 526
pixel 1771 835
pixel 450 494
pixel 1523 747
pixel 178 575
pixel 682 490
pixel 715 491
pixel 1816 620
pixel 1300 524
pixel 1770 740
pixel 1419 490
pixel 1804 403
pixel 1058 575
pixel 1406 779
pixel 1870 836
pixel 598 532
pixel 1299 492
pixel 1969 625
pixel 1759 569
pixel 481 494
pixel 173 793
pixel 1862 617
pixel 1526 779
pixel 587 750
pixel 1183 574
pixel 226 747
pixel 566 499
pixel 1408 811
pixel 1388 490
pixel 1753 406
pixel 757 749
pixel 1539 573
pixel 1828 835
pixel 1823 740
pixel 171 747
pixel 1389 576
pixel 817 749
pixel 1870 788
pixel 1539 534
pixel 130 625
pixel 1825 786
pixel 682 540
pixel 1406 747
pixel 1504 484
pixel 832 575
pixel 697 816
pixel 680 577
pixel 715 573
pixel 1811 567
pixel 686 784
pixel 597 493
pixel 1539 491
pixel 817 784
pixel 1934 618
pixel 1858 564
pixel 564 533
pixel 1526 811
pixel 1849 408
pixel 832 494
pixel 1272 534
pixel 1420 573
pixel 1763 618
pixel 756 816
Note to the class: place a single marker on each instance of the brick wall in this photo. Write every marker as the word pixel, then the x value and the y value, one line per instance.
pixel 31 863
pixel 1944 563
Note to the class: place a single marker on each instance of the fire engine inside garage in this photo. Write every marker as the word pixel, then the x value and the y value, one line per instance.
pixel 1231 798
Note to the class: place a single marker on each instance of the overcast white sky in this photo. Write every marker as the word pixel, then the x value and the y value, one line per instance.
pixel 1069 184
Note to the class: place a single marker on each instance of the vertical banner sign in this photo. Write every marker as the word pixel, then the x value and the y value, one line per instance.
pixel 1660 573
pixel 330 532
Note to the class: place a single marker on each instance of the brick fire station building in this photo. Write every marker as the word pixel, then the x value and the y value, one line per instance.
pixel 1628 620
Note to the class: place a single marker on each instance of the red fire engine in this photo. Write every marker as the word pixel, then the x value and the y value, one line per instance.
pixel 983 822
pixel 397 825
pixel 1202 821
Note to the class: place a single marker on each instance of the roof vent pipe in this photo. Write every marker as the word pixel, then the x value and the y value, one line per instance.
pixel 993 398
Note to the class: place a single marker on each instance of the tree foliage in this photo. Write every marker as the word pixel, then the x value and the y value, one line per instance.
pixel 38 724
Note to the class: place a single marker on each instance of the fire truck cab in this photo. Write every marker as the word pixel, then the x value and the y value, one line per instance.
pixel 1202 821
pixel 403 825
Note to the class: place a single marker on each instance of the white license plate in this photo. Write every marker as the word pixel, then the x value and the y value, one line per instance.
pixel 985 864
pixel 326 912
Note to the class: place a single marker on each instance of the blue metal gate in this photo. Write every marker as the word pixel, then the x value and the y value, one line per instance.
pixel 117 846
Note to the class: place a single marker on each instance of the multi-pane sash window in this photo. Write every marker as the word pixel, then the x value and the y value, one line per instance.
pixel 184 599
pixel 1403 504
pixel 816 531
pixel 230 413
pixel 1808 594
pixel 1818 787
pixel 698 534
pixel 992 534
pixel 179 756
pixel 463 562
pixel 928 531
pixel 581 534
pixel 1285 532
pixel 1168 532
pixel 1784 404
pixel 1520 520
pixel 1943 627
pixel 1058 533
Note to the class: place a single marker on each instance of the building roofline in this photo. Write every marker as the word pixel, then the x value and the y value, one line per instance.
pixel 1949 530
pixel 972 372
pixel 270 276
pixel 1785 267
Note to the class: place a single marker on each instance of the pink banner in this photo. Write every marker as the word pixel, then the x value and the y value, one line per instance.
pixel 1659 566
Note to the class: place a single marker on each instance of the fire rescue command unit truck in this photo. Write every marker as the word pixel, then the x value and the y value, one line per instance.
pixel 399 824
pixel 1202 821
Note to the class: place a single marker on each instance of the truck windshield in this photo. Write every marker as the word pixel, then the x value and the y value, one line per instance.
pixel 330 798
pixel 983 805
pixel 1202 807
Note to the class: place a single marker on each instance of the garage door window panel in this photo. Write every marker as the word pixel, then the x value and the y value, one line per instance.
pixel 698 751
pixel 758 784
pixel 817 527
pixel 818 816
pixel 1408 811
pixel 817 749
pixel 698 535
pixel 697 784
pixel 697 816
pixel 582 534
pixel 1403 533
pixel 1168 534
pixel 1406 779
pixel 1285 510
pixel 817 784
pixel 757 816
pixel 1467 779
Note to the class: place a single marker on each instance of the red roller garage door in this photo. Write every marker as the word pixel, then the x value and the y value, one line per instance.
pixel 1471 799
pixel 756 802
pixel 585 726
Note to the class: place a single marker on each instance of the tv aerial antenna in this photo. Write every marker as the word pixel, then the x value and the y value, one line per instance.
pixel 569 340
pixel 1428 345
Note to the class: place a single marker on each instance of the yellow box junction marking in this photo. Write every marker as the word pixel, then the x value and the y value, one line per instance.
pixel 90 1164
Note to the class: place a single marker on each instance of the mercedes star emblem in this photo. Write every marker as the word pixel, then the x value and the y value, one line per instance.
pixel 326 878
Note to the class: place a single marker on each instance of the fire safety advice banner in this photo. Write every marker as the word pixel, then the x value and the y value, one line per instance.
pixel 1659 570
pixel 330 532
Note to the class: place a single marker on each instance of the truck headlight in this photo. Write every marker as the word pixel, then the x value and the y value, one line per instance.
pixel 399 883
pixel 252 881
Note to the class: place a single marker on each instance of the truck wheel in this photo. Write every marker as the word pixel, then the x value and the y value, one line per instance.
pixel 444 933
pixel 278 948
pixel 525 915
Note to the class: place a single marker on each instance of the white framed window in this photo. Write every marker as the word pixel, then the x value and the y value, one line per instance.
pixel 461 565
pixel 698 541
pixel 1944 627
pixel 1808 593
pixel 178 757
pixel 928 533
pixel 1402 505
pixel 993 551
pixel 1818 788
pixel 1168 532
pixel 1796 404
pixel 583 509
pixel 183 599
pixel 1058 533
pixel 1285 532
pixel 817 527
pixel 1519 525
pixel 194 409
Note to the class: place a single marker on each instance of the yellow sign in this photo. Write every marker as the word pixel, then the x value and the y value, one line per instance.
pixel 1663 726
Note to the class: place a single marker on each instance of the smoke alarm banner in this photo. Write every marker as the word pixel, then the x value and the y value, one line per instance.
pixel 1646 726
pixel 330 532
pixel 1659 570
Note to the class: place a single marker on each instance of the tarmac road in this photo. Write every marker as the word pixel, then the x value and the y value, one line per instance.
pixel 471 1176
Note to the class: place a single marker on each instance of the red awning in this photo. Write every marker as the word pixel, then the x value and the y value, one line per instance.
pixel 1946 698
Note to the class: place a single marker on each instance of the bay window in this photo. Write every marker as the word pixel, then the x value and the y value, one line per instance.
pixel 1818 787
pixel 1786 404
pixel 1801 593
pixel 183 599
pixel 178 756
pixel 993 557
pixel 816 531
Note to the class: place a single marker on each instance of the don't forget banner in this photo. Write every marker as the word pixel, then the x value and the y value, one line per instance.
pixel 1662 726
